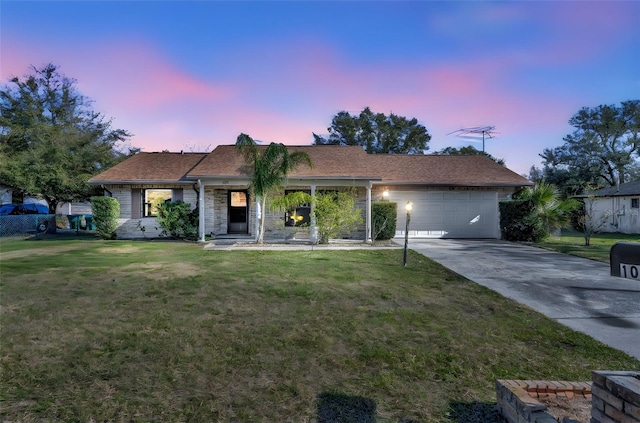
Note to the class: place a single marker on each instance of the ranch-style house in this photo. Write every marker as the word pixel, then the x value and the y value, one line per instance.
pixel 452 196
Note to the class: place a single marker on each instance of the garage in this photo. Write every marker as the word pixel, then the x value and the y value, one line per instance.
pixel 448 214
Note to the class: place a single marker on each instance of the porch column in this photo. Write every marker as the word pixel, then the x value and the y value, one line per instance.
pixel 313 236
pixel 201 210
pixel 258 216
pixel 368 225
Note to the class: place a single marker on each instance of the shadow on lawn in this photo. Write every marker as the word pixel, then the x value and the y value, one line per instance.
pixel 341 408
pixel 475 412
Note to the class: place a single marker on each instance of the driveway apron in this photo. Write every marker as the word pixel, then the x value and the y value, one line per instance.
pixel 577 292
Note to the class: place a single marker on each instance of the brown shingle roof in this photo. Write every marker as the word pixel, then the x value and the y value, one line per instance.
pixel 150 167
pixel 472 170
pixel 329 162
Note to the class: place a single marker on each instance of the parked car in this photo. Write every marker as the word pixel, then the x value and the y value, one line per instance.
pixel 14 209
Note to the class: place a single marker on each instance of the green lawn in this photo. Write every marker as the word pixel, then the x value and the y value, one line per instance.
pixel 165 331
pixel 572 242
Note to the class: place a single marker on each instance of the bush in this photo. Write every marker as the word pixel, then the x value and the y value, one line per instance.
pixel 336 214
pixel 517 222
pixel 106 212
pixel 384 216
pixel 178 220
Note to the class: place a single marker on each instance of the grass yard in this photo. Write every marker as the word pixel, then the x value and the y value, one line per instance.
pixel 572 242
pixel 160 331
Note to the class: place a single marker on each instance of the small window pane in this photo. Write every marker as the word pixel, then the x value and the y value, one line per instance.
pixel 238 199
pixel 154 197
pixel 300 216
pixel 635 203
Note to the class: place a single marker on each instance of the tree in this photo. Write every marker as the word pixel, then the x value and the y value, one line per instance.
pixel 588 220
pixel 469 150
pixel 603 150
pixel 51 141
pixel 269 167
pixel 376 133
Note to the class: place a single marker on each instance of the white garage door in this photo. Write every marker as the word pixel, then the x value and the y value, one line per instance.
pixel 448 214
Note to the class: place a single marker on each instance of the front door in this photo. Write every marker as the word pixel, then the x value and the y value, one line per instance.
pixel 238 218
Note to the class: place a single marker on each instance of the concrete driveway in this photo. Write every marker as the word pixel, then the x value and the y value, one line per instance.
pixel 576 292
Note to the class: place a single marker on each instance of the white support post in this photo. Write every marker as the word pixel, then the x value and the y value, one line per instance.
pixel 313 236
pixel 368 224
pixel 258 217
pixel 201 210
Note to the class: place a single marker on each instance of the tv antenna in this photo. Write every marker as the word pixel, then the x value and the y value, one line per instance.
pixel 470 133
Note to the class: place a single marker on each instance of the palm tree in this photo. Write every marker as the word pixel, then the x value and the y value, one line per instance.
pixel 269 169
pixel 550 211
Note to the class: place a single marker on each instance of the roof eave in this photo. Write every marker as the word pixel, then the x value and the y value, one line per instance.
pixel 459 184
pixel 140 182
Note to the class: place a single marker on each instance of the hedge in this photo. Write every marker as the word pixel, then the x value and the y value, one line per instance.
pixel 517 223
pixel 384 216
pixel 106 212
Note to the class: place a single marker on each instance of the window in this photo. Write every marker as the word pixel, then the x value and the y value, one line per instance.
pixel 300 215
pixel 635 203
pixel 238 199
pixel 153 198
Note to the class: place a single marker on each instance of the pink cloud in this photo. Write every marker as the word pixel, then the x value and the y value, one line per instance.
pixel 142 78
pixel 285 91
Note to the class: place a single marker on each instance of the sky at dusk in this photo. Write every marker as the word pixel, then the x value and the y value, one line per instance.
pixel 191 75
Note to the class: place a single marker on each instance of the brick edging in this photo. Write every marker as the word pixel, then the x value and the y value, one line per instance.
pixel 517 399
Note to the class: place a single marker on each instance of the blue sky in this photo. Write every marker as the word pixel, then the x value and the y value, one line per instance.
pixel 192 75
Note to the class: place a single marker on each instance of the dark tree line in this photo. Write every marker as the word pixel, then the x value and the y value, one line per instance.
pixel 603 150
pixel 377 133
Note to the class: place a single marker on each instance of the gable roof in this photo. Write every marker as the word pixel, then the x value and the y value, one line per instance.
pixel 151 168
pixel 329 162
pixel 629 188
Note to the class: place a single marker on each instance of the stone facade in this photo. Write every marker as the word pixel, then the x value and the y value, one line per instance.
pixel 616 397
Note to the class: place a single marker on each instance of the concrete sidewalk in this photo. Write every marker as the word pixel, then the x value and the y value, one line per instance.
pixel 278 245
pixel 576 292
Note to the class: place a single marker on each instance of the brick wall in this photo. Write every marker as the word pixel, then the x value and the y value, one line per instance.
pixel 616 397
pixel 517 398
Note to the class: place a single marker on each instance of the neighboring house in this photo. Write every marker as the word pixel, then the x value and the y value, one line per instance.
pixel 618 207
pixel 453 196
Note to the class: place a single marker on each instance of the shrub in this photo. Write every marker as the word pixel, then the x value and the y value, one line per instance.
pixel 384 216
pixel 336 214
pixel 550 211
pixel 178 220
pixel 106 211
pixel 516 222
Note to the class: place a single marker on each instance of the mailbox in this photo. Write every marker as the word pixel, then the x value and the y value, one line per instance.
pixel 625 260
